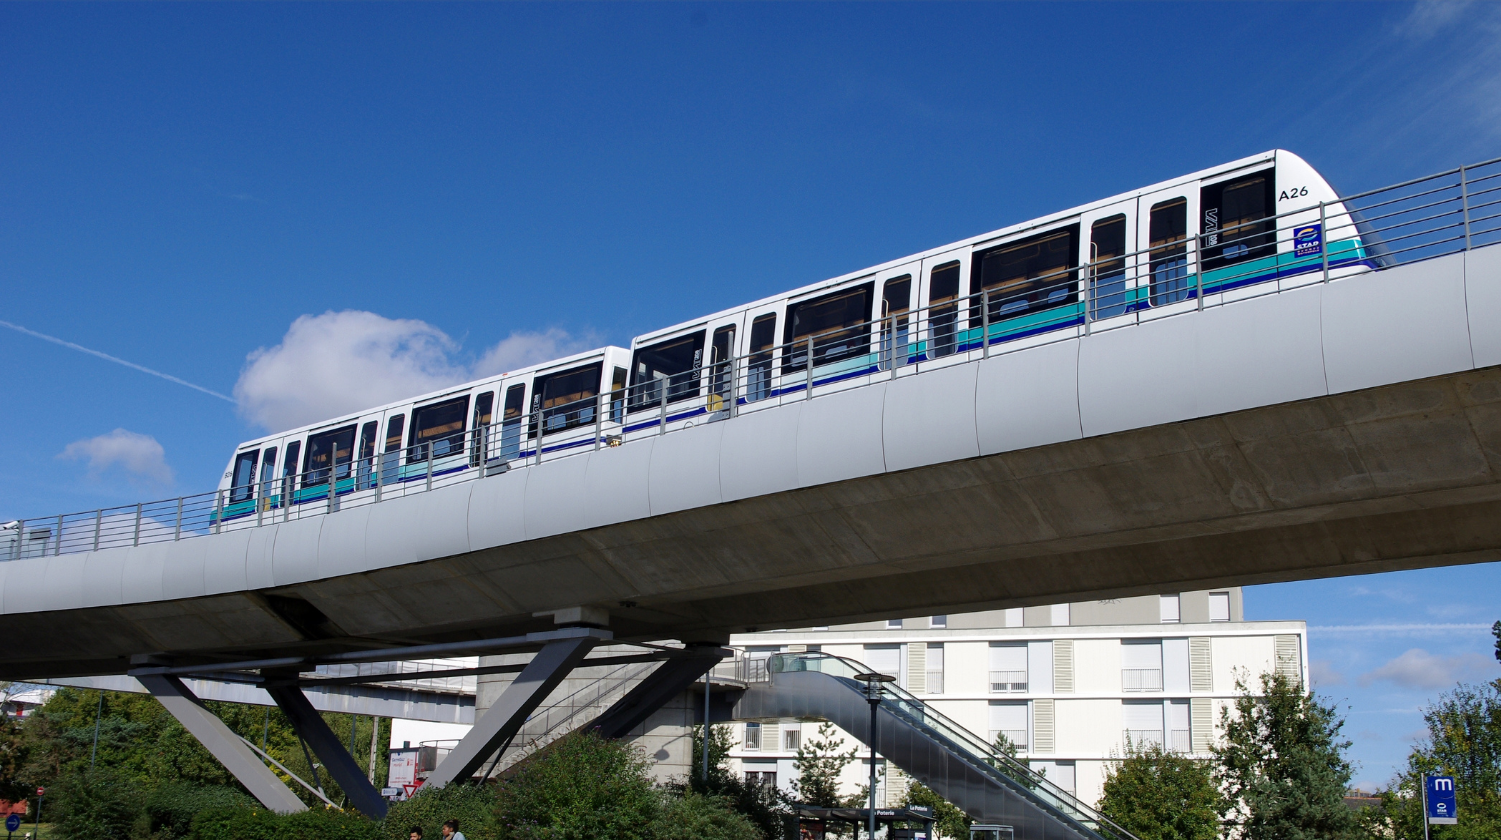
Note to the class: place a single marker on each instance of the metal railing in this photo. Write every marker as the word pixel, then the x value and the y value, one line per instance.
pixel 1141 679
pixel 1441 214
pixel 1008 682
pixel 934 684
pixel 968 746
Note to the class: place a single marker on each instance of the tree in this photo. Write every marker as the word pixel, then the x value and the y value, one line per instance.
pixel 819 764
pixel 1281 765
pixel 762 804
pixel 951 822
pixel 582 787
pixel 1160 795
pixel 695 816
pixel 1464 740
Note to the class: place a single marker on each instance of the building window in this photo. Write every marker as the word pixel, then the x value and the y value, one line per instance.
pixel 938 621
pixel 1219 606
pixel 1177 727
pixel 885 659
pixel 753 736
pixel 761 777
pixel 1008 720
pixel 791 740
pixel 1060 615
pixel 935 668
pixel 1008 668
pixel 893 624
pixel 1142 720
pixel 1141 665
pixel 1168 608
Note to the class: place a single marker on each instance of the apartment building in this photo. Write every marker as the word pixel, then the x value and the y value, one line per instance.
pixel 1067 684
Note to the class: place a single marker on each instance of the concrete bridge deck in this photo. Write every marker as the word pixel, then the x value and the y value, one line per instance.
pixel 1337 428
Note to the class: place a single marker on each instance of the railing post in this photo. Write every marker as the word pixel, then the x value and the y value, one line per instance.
pixel 177 527
pixel 333 473
pixel 98 521
pixel 734 385
pixel 431 448
pixel 1464 198
pixel 1197 243
pixel 218 509
pixel 984 323
pixel 599 418
pixel 58 549
pixel 136 540
pixel 662 415
pixel 809 395
pixel 1324 236
pixel 537 424
pixel 1089 292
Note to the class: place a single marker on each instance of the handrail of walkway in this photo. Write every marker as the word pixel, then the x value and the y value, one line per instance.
pixel 1030 302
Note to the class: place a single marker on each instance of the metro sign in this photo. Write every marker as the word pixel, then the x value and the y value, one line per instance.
pixel 1438 798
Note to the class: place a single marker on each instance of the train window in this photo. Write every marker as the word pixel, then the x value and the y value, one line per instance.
pixel 1168 231
pixel 721 358
pixel 242 482
pixel 763 334
pixel 268 466
pixel 334 448
pixel 673 364
pixel 896 300
pixel 1107 257
pixel 1026 276
pixel 569 397
pixel 510 422
pixel 838 323
pixel 1235 220
pixel 395 429
pixel 289 466
pixel 617 395
pixel 943 313
pixel 484 406
pixel 368 433
pixel 440 425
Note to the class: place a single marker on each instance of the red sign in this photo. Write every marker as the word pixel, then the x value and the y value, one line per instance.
pixel 41 791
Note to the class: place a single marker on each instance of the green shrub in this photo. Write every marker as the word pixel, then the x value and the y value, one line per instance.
pixel 694 816
pixel 96 805
pixel 240 823
pixel 170 809
pixel 581 787
pixel 472 805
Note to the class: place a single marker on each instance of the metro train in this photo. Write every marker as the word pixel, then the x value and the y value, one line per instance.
pixel 1211 236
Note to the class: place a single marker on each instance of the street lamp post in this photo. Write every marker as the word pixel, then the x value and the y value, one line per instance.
pixel 873 688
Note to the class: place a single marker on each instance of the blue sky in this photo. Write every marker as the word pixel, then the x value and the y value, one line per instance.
pixel 472 186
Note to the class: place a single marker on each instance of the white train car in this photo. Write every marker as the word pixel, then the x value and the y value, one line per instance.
pixel 1208 237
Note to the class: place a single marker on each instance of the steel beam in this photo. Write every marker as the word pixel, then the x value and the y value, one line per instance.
pixel 666 682
pixel 502 721
pixel 223 743
pixel 311 727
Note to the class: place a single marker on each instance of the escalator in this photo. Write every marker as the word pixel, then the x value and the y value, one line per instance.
pixel 985 783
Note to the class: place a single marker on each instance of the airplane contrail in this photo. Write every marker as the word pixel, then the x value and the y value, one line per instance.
pixel 108 358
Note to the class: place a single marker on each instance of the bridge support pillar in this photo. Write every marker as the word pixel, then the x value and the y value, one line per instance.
pixel 500 723
pixel 311 728
pixel 669 680
pixel 222 742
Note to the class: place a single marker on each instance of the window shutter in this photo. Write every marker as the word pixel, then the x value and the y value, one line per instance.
pixel 771 737
pixel 1201 723
pixel 917 669
pixel 1042 726
pixel 1063 666
pixel 1289 658
pixel 1200 664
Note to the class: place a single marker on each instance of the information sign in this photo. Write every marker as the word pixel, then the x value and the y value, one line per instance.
pixel 13 822
pixel 1438 794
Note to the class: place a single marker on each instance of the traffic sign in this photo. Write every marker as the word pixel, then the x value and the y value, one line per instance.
pixel 41 791
pixel 1439 795
pixel 13 822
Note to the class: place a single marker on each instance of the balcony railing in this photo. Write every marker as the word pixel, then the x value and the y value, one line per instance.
pixel 935 682
pixel 1178 740
pixel 1017 738
pixel 1008 682
pixel 1143 737
pixel 1141 679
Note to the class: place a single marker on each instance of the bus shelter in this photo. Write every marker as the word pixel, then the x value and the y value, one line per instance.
pixel 807 822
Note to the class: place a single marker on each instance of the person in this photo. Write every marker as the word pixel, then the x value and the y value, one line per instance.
pixel 451 830
pixel 415 833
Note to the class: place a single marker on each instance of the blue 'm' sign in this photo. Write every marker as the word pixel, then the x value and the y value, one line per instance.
pixel 1440 794
pixel 13 822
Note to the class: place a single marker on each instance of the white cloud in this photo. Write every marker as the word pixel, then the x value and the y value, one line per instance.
pixel 1325 675
pixel 339 362
pixel 1417 668
pixel 137 454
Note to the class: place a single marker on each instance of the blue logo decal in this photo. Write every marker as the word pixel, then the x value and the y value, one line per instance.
pixel 1307 240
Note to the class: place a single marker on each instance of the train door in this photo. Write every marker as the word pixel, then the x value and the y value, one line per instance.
pixel 266 482
pixel 896 297
pixel 759 347
pixel 484 414
pixel 720 372
pixel 1167 227
pixel 1105 235
pixel 512 417
pixel 391 445
pixel 939 324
